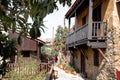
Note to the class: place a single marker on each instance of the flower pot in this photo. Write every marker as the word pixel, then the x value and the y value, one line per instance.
pixel 74 73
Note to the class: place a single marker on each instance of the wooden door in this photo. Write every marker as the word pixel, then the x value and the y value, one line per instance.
pixel 82 63
pixel 97 13
pixel 96 26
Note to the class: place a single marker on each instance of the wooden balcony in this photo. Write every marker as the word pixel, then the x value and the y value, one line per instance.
pixel 94 38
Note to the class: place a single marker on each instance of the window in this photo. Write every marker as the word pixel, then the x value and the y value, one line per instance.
pixel 26 53
pixel 96 58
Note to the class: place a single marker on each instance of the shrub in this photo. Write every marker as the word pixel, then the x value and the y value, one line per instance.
pixel 68 67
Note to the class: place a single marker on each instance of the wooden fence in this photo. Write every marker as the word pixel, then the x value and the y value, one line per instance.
pixel 45 66
pixel 39 67
pixel 22 70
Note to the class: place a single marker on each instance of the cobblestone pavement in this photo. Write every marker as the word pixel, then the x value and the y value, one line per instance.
pixel 66 76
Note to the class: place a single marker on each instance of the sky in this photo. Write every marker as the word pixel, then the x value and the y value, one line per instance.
pixel 54 20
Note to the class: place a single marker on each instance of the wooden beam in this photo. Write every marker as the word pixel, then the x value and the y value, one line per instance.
pixel 75 20
pixel 72 13
pixel 69 24
pixel 49 74
pixel 103 55
pixel 90 19
pixel 38 51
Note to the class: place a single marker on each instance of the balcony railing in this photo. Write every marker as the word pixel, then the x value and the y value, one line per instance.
pixel 98 32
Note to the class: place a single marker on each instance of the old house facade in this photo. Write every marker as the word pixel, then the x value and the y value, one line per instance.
pixel 28 48
pixel 95 41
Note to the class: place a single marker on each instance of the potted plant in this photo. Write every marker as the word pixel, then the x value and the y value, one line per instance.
pixel 69 69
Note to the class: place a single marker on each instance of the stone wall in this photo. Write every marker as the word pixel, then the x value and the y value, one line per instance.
pixel 76 60
pixel 89 63
pixel 108 71
pixel 81 15
pixel 90 69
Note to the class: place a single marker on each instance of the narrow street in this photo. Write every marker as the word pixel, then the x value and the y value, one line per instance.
pixel 66 76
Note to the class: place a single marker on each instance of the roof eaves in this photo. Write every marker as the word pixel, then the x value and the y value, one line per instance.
pixel 38 40
pixel 71 9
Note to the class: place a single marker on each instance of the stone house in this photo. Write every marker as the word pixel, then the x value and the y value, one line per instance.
pixel 95 42
pixel 29 48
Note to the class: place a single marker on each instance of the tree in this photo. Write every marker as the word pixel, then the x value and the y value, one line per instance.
pixel 46 52
pixel 7 50
pixel 15 14
pixel 60 38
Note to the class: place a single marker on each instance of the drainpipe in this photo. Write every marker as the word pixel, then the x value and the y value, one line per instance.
pixel 90 19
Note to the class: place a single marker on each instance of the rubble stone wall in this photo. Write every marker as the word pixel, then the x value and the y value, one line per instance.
pixel 108 71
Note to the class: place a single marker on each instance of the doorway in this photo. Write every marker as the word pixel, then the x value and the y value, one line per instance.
pixel 97 13
pixel 82 63
pixel 96 27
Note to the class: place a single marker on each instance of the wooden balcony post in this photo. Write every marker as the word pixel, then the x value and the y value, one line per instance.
pixel 69 24
pixel 75 27
pixel 90 19
pixel 38 51
pixel 75 20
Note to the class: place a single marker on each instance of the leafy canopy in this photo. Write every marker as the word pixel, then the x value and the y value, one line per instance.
pixel 7 50
pixel 60 38
pixel 14 14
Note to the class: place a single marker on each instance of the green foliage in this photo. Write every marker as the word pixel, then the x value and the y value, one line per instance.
pixel 40 76
pixel 23 72
pixel 60 38
pixel 15 14
pixel 7 46
pixel 45 49
pixel 7 50
pixel 70 68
